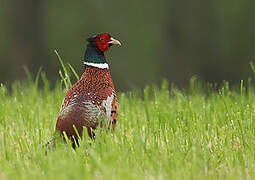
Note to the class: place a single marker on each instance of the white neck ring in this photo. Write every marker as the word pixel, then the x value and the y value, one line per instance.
pixel 98 65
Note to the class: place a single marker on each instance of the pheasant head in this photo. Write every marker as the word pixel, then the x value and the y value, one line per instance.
pixel 97 45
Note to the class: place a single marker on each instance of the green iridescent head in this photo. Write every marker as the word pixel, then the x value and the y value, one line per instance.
pixel 97 45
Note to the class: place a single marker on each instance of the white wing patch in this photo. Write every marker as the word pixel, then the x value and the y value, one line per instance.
pixel 107 104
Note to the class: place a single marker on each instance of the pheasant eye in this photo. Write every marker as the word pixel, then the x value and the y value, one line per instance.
pixel 102 39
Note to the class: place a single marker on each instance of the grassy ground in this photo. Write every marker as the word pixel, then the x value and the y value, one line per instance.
pixel 161 134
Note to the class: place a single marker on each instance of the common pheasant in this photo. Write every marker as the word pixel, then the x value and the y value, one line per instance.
pixel 92 100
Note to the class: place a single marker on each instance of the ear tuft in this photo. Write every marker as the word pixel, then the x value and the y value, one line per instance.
pixel 90 39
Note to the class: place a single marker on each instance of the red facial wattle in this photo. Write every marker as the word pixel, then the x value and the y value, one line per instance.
pixel 102 42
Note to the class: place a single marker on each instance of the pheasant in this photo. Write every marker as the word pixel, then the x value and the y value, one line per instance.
pixel 92 100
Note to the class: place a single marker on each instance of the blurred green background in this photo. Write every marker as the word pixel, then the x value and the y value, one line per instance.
pixel 173 39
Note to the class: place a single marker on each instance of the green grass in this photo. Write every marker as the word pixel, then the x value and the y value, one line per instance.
pixel 161 133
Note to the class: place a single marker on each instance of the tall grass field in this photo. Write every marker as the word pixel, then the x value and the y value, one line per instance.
pixel 202 132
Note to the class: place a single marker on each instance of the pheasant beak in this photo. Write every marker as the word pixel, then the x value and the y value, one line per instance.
pixel 114 41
